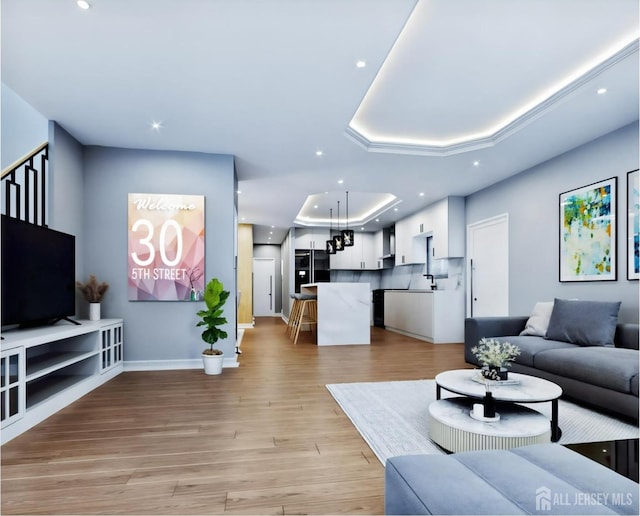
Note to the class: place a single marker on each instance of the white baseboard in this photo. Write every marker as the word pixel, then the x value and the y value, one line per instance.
pixel 239 339
pixel 164 365
pixel 192 363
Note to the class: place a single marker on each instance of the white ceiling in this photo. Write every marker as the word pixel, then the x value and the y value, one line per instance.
pixel 447 83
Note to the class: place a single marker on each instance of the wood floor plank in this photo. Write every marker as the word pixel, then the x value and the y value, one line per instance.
pixel 312 492
pixel 264 438
pixel 364 505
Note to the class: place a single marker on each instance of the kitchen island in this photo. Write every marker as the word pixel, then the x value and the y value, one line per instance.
pixel 344 312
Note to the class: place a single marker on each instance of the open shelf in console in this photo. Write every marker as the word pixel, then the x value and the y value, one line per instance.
pixel 44 387
pixel 48 358
pixel 53 366
pixel 60 371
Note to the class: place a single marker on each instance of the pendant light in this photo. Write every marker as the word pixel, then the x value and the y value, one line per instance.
pixel 337 240
pixel 330 247
pixel 347 234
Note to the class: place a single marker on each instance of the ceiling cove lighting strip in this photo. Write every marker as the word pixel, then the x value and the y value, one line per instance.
pixel 512 124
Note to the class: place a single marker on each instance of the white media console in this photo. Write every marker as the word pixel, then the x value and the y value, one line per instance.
pixel 44 369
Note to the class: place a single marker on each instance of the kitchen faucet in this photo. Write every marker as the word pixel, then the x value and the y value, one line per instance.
pixel 433 281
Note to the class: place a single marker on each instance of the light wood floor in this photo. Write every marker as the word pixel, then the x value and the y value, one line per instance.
pixel 265 438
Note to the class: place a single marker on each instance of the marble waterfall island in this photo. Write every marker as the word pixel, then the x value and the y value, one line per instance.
pixel 344 312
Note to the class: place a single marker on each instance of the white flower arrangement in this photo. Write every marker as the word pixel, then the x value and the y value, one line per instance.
pixel 493 353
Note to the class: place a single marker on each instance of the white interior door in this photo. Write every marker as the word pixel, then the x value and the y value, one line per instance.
pixel 264 273
pixel 488 267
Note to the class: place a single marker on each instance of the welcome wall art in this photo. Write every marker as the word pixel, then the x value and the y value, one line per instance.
pixel 166 247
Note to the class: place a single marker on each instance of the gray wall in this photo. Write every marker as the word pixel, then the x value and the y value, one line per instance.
pixel 531 200
pixel 272 251
pixel 157 330
pixel 22 127
pixel 66 196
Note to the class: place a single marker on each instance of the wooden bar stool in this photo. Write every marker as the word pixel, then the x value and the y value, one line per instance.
pixel 293 314
pixel 306 313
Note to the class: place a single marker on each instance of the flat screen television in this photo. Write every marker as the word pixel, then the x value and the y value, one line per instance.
pixel 38 274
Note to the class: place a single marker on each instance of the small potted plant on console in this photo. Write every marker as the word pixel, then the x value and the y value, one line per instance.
pixel 93 292
pixel 214 297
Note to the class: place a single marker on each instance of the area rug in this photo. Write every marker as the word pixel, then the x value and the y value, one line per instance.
pixel 392 417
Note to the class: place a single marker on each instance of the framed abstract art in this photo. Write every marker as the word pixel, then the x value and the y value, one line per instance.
pixel 588 232
pixel 633 226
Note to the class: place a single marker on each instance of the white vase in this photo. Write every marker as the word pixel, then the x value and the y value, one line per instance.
pixel 94 311
pixel 212 363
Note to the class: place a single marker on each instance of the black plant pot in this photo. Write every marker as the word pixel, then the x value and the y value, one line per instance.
pixel 495 373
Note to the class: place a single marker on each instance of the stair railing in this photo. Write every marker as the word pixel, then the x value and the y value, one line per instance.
pixel 24 185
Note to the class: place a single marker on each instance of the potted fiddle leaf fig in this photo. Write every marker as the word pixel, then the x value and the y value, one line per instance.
pixel 211 318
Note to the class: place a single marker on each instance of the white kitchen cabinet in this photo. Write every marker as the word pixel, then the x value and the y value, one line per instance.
pixel 359 256
pixel 434 316
pixel 45 369
pixel 408 312
pixel 378 248
pixel 448 228
pixel 443 220
pixel 343 260
pixel 311 238
pixel 368 256
pixel 410 248
pixel 422 222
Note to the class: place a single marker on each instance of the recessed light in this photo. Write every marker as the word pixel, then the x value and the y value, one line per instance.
pixel 340 181
pixel 395 209
pixel 319 153
pixel 421 194
pixel 238 191
pixel 83 4
pixel 377 220
pixel 315 206
pixel 601 91
pixel 156 126
pixel 476 163
pixel 361 63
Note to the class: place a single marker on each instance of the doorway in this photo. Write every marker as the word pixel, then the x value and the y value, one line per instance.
pixel 488 267
pixel 264 271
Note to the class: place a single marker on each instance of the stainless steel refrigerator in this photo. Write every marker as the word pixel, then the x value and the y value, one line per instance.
pixel 312 266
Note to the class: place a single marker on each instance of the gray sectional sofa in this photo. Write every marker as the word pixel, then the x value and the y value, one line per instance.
pixel 579 345
pixel 535 479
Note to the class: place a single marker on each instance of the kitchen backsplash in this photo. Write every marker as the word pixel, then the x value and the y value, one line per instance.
pixel 404 277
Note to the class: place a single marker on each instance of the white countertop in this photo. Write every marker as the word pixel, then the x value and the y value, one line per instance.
pixel 422 291
pixel 410 291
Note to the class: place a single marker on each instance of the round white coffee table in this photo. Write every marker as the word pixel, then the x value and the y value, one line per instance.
pixel 520 388
pixel 452 428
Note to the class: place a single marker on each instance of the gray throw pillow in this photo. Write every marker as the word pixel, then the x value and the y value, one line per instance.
pixel 587 323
